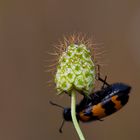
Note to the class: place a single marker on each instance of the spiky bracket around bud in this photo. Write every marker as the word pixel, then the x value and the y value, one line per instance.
pixel 75 70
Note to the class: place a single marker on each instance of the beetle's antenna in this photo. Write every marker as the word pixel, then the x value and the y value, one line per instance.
pixel 60 129
pixel 62 124
pixel 56 105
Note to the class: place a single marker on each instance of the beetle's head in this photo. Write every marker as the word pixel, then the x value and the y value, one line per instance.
pixel 67 114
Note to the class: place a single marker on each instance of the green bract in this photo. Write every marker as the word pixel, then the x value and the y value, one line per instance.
pixel 75 70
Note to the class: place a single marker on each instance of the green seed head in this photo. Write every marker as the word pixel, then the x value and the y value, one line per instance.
pixel 75 70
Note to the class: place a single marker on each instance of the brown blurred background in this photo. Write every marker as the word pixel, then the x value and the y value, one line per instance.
pixel 28 29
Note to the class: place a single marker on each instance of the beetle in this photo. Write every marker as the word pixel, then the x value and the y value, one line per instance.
pixel 100 104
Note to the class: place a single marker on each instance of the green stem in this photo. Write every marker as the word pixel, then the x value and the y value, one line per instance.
pixel 73 114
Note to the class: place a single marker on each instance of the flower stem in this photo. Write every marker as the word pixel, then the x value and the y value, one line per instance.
pixel 73 114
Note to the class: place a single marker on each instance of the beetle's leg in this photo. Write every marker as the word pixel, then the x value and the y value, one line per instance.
pixel 98 72
pixel 104 82
pixel 100 79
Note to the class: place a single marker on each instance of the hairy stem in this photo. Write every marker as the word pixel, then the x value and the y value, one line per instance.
pixel 73 114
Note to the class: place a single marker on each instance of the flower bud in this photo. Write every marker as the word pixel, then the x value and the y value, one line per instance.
pixel 75 70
